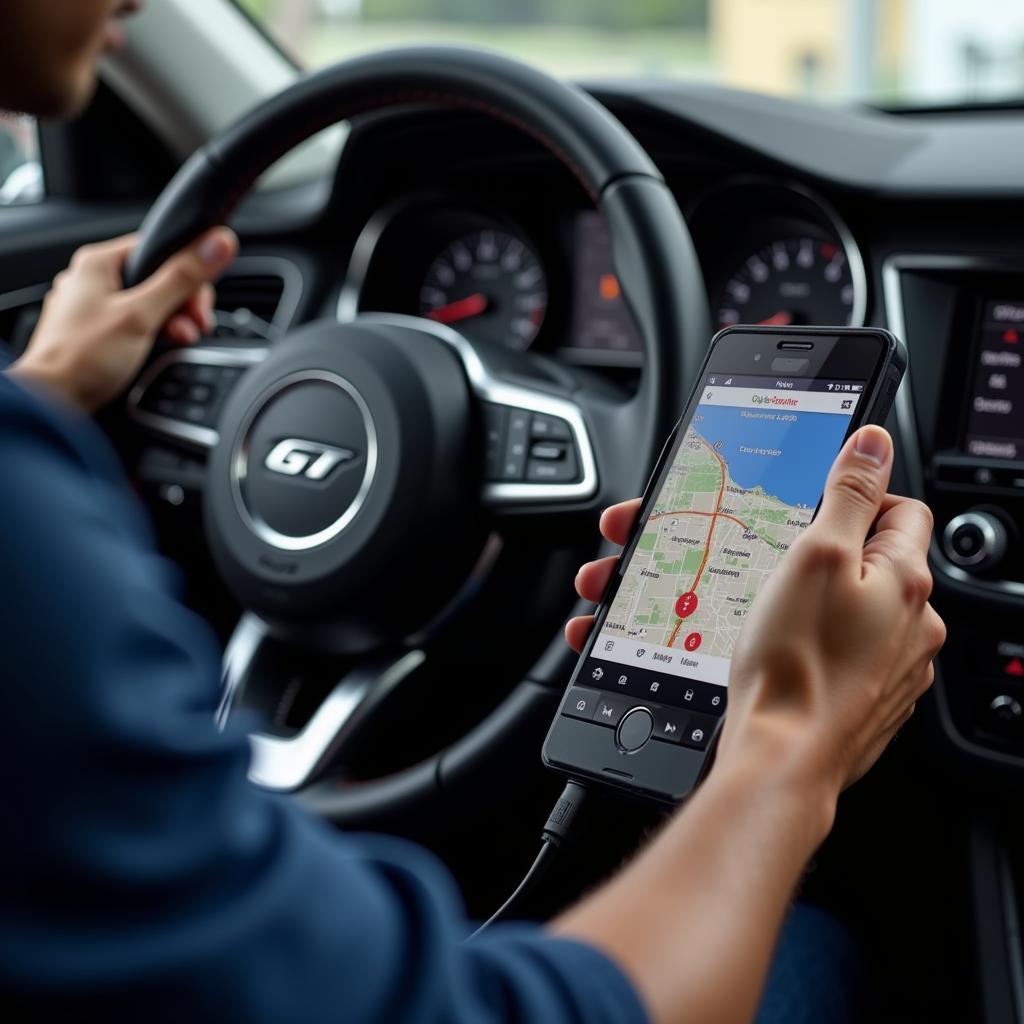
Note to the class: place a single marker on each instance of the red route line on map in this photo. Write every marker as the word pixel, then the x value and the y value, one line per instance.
pixel 711 532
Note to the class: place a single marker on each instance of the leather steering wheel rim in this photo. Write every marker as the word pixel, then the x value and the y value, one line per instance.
pixel 653 255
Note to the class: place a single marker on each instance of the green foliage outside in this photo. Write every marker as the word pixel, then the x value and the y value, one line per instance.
pixel 570 38
pixel 607 14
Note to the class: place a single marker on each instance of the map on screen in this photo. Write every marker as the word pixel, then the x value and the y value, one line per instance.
pixel 744 483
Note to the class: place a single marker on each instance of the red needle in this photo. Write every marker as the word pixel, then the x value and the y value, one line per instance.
pixel 463 309
pixel 781 319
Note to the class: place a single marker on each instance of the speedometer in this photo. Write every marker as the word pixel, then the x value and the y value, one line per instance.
pixel 791 281
pixel 491 285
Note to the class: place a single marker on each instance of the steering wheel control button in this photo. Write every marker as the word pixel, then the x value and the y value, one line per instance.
pixel 543 469
pixel 535 447
pixel 669 724
pixel 976 541
pixel 580 703
pixel 550 428
pixel 191 392
pixel 516 444
pixel 698 732
pixel 547 452
pixel 635 729
pixel 495 427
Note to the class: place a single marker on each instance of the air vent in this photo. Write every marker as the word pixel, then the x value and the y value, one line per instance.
pixel 257 298
pixel 260 294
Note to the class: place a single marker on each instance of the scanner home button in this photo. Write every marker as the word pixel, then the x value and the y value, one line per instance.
pixel 634 730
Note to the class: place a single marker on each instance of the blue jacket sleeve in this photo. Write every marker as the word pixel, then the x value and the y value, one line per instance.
pixel 144 878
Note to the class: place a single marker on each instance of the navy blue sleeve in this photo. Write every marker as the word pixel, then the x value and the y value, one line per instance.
pixel 144 878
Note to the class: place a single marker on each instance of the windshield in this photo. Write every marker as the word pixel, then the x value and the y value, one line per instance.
pixel 896 52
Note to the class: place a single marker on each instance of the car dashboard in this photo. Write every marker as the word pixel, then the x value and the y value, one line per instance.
pixel 799 215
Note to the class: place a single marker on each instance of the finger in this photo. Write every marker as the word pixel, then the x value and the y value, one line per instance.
pixel 914 685
pixel 900 550
pixel 934 632
pixel 121 246
pixel 592 579
pixel 617 522
pixel 905 523
pixel 106 259
pixel 199 308
pixel 182 330
pixel 855 488
pixel 182 275
pixel 577 630
pixel 209 295
pixel 925 681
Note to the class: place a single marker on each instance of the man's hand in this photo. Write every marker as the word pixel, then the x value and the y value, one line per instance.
pixel 840 642
pixel 839 645
pixel 94 336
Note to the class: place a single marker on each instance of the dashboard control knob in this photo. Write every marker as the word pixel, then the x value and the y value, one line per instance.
pixel 975 541
pixel 1007 709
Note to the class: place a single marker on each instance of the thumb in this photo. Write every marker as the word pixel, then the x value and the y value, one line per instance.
pixel 856 486
pixel 161 295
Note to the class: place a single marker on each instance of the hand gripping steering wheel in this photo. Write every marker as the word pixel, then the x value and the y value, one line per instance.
pixel 349 462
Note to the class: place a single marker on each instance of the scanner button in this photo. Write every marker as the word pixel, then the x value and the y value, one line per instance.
pixel 634 730
pixel 698 731
pixel 580 703
pixel 609 710
pixel 670 724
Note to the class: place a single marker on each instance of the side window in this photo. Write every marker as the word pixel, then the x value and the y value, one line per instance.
pixel 21 172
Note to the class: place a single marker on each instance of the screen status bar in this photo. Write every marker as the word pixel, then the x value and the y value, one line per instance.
pixel 725 380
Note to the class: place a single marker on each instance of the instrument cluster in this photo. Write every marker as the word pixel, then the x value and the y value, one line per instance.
pixel 772 254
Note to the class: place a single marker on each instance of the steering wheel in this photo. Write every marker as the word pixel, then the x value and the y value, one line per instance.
pixel 353 461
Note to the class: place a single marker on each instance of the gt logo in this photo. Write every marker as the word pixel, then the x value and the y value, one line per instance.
pixel 309 459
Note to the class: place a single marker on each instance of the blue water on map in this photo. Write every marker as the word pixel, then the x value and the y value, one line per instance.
pixel 809 444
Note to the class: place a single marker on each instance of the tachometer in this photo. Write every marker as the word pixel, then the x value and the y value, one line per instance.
pixel 489 284
pixel 792 281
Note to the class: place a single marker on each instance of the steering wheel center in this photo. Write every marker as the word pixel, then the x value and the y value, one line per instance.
pixel 348 476
pixel 304 460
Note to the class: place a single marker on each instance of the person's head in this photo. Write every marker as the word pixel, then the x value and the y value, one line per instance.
pixel 49 50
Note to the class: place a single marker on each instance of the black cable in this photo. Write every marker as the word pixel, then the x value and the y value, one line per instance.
pixel 555 832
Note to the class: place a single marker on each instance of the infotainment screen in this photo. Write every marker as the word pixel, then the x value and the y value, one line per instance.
pixel 995 419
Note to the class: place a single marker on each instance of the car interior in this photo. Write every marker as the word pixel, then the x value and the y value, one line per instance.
pixel 400 675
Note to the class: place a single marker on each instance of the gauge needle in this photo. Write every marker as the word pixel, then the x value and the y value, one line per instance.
pixel 781 319
pixel 463 309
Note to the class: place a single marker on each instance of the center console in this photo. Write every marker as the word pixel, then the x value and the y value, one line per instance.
pixel 961 421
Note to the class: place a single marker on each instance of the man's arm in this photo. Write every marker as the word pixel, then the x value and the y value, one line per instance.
pixel 142 869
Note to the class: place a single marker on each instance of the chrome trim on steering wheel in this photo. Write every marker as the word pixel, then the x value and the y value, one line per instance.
pixel 239 654
pixel 286 764
pixel 490 389
pixel 199 437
